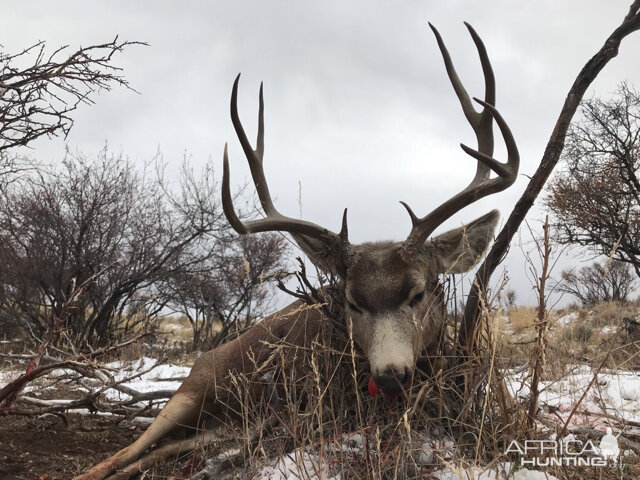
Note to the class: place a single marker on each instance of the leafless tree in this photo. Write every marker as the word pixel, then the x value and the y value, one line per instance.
pixel 226 291
pixel 596 198
pixel 102 219
pixel 550 158
pixel 608 282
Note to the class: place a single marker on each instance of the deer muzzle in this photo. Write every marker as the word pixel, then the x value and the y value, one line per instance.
pixel 391 354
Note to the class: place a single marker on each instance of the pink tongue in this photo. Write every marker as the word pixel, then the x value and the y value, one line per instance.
pixel 373 388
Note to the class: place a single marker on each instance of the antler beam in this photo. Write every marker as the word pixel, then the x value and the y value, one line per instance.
pixel 482 124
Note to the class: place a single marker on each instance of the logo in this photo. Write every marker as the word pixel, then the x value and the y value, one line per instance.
pixel 568 451
pixel 609 448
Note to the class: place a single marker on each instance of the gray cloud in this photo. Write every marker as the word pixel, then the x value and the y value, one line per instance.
pixel 358 108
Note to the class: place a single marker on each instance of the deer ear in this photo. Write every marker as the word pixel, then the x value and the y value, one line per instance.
pixel 458 250
pixel 321 254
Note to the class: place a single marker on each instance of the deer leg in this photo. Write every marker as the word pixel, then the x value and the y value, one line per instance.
pixel 181 410
pixel 162 453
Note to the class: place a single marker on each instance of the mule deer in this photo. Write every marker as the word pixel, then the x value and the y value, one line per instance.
pixel 390 287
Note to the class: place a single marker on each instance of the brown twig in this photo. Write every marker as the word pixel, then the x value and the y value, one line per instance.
pixel 582 397
pixel 38 100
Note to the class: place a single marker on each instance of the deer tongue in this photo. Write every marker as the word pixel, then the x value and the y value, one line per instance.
pixel 375 391
pixel 373 388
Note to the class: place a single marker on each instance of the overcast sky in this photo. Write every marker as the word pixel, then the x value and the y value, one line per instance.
pixel 358 108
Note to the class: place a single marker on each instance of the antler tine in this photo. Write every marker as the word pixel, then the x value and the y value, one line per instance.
pixel 476 119
pixel 274 221
pixel 482 124
pixel 254 157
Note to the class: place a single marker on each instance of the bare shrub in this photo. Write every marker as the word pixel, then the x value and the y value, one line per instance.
pixel 225 292
pixel 601 282
pixel 125 231
pixel 596 198
pixel 39 91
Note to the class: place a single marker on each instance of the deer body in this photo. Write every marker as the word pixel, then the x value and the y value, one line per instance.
pixel 391 291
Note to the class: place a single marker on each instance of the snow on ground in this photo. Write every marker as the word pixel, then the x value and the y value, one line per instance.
pixel 156 377
pixel 304 465
pixel 568 319
pixel 326 465
pixel 297 465
pixel 613 393
pixel 146 376
pixel 502 473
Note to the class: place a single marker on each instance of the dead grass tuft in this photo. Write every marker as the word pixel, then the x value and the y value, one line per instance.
pixel 521 318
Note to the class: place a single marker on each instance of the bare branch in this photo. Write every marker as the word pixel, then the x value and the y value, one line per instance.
pixel 38 100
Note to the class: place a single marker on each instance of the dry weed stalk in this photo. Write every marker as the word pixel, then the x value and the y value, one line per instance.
pixel 541 323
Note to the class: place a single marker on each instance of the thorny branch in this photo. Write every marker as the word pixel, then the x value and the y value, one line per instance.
pixel 101 380
pixel 81 363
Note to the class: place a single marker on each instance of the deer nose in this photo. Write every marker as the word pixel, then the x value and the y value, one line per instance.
pixel 391 381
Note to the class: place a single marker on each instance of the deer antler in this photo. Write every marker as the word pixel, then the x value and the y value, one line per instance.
pixel 482 124
pixel 274 220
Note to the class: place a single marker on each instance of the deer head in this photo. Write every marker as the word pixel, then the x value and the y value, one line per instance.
pixel 391 288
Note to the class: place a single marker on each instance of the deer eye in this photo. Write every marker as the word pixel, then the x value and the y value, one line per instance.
pixel 354 307
pixel 416 299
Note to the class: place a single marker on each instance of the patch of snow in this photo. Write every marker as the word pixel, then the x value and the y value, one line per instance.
pixel 303 465
pixel 228 453
pixel 436 449
pixel 568 319
pixel 297 465
pixel 172 326
pixel 353 443
pixel 613 392
pixel 157 378
pixel 503 472
pixel 630 391
pixel 152 380
pixel 8 376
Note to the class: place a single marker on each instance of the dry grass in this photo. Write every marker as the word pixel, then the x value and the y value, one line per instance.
pixel 327 418
pixel 577 335
pixel 176 329
pixel 595 331
pixel 521 318
pixel 324 410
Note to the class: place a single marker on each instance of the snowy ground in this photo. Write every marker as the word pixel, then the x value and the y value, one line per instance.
pixel 303 465
pixel 612 396
pixel 143 375
pixel 156 377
